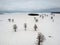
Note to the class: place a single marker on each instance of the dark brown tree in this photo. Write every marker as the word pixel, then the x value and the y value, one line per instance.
pixel 12 20
pixel 35 27
pixel 9 20
pixel 40 38
pixel 51 17
pixel 42 17
pixel 36 20
pixel 25 26
pixel 15 27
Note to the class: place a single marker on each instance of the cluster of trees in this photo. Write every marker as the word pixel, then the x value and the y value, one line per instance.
pixel 40 37
pixel 52 18
pixel 11 20
pixel 36 20
pixel 43 15
pixel 25 24
pixel 25 27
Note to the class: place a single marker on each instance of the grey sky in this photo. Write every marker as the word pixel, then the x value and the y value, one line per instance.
pixel 28 4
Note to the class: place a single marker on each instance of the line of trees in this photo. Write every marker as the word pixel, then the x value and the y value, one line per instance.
pixel 11 20
pixel 25 27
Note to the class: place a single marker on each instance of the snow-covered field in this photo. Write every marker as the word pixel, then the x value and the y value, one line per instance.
pixel 45 26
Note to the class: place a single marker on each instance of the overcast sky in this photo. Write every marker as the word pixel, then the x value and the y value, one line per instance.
pixel 28 4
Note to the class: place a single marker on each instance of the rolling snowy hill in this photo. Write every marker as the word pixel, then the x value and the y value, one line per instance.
pixel 49 28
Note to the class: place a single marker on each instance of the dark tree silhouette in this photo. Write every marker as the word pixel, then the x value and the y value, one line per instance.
pixel 42 17
pixel 51 17
pixel 25 26
pixel 35 27
pixel 12 20
pixel 36 20
pixel 9 20
pixel 15 27
pixel 40 38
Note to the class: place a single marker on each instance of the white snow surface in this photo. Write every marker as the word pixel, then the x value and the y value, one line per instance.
pixel 29 37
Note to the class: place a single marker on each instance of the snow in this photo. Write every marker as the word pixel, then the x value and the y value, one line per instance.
pixel 46 26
